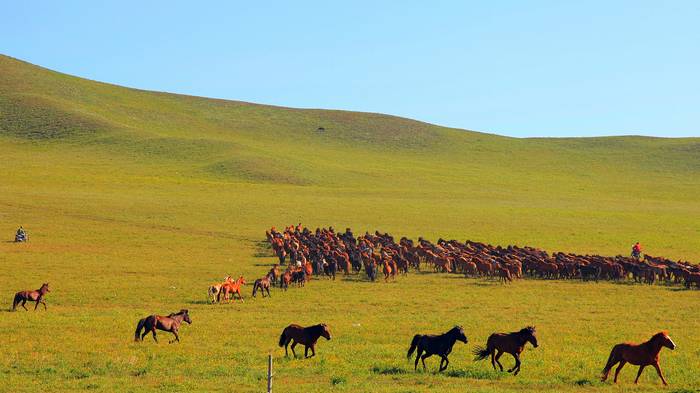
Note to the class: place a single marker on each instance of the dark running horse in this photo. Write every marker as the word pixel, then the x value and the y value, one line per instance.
pixel 642 355
pixel 34 296
pixel 441 345
pixel 512 343
pixel 306 336
pixel 170 323
pixel 263 284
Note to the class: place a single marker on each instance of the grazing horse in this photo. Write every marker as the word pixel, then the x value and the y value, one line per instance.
pixel 642 355
pixel 170 323
pixel 512 343
pixel 34 296
pixel 231 288
pixel 306 336
pixel 441 345
pixel 263 284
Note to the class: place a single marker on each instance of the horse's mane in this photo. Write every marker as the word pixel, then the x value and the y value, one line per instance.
pixel 525 330
pixel 183 311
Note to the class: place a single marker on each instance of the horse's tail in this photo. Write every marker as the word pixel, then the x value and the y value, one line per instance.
pixel 612 360
pixel 283 338
pixel 414 345
pixel 139 327
pixel 481 353
pixel 16 301
pixel 255 286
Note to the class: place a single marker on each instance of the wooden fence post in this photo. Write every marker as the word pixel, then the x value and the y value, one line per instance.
pixel 269 373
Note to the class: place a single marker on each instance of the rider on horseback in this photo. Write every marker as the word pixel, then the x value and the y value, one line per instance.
pixel 637 250
pixel 21 235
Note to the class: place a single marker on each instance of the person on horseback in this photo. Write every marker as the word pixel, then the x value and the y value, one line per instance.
pixel 636 250
pixel 21 235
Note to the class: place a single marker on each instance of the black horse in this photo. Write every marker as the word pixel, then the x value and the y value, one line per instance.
pixel 441 345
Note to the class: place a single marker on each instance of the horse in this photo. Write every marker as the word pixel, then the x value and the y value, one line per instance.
pixel 441 345
pixel 504 274
pixel 642 355
pixel 285 279
pixel 263 284
pixel 214 289
pixel 35 296
pixel 512 343
pixel 306 336
pixel 231 288
pixel 170 323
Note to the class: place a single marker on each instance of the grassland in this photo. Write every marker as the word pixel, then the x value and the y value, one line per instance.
pixel 135 201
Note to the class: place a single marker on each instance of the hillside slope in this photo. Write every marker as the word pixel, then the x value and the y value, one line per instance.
pixel 68 133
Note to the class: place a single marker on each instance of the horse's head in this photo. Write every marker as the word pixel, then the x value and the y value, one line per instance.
pixel 458 331
pixel 45 287
pixel 324 331
pixel 241 280
pixel 186 316
pixel 530 335
pixel 665 340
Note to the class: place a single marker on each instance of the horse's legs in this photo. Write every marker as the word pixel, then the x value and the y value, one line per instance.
pixel 313 350
pixel 418 354
pixel 641 368
pixel 498 356
pixel 661 375
pixel 617 370
pixel 422 359
pixel 493 359
pixel 294 344
pixel 286 343
pixel 447 361
pixel 516 367
pixel 154 335
pixel 44 303
pixel 24 301
pixel 177 338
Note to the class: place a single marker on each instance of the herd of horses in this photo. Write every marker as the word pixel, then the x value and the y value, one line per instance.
pixel 325 251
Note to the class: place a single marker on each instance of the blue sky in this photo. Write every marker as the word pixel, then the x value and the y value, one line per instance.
pixel 519 68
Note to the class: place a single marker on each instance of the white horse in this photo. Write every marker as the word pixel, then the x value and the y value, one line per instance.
pixel 214 289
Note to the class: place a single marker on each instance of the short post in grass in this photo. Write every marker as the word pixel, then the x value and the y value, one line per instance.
pixel 269 373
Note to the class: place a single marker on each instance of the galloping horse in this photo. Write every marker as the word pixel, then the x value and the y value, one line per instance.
pixel 440 345
pixel 170 323
pixel 642 355
pixel 512 343
pixel 263 284
pixel 231 288
pixel 35 296
pixel 306 336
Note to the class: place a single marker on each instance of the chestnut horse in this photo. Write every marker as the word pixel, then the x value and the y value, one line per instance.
pixel 512 343
pixel 642 355
pixel 231 288
pixel 306 336
pixel 170 323
pixel 34 296
pixel 441 345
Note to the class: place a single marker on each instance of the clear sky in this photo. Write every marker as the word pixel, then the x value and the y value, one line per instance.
pixel 520 68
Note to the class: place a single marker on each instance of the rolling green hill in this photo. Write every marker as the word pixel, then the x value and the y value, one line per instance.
pixel 135 201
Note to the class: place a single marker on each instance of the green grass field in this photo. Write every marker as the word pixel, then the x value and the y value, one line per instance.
pixel 136 201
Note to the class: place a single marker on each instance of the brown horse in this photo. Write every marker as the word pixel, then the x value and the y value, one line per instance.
pixel 231 288
pixel 642 355
pixel 263 284
pixel 170 323
pixel 306 336
pixel 512 343
pixel 34 296
pixel 440 345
